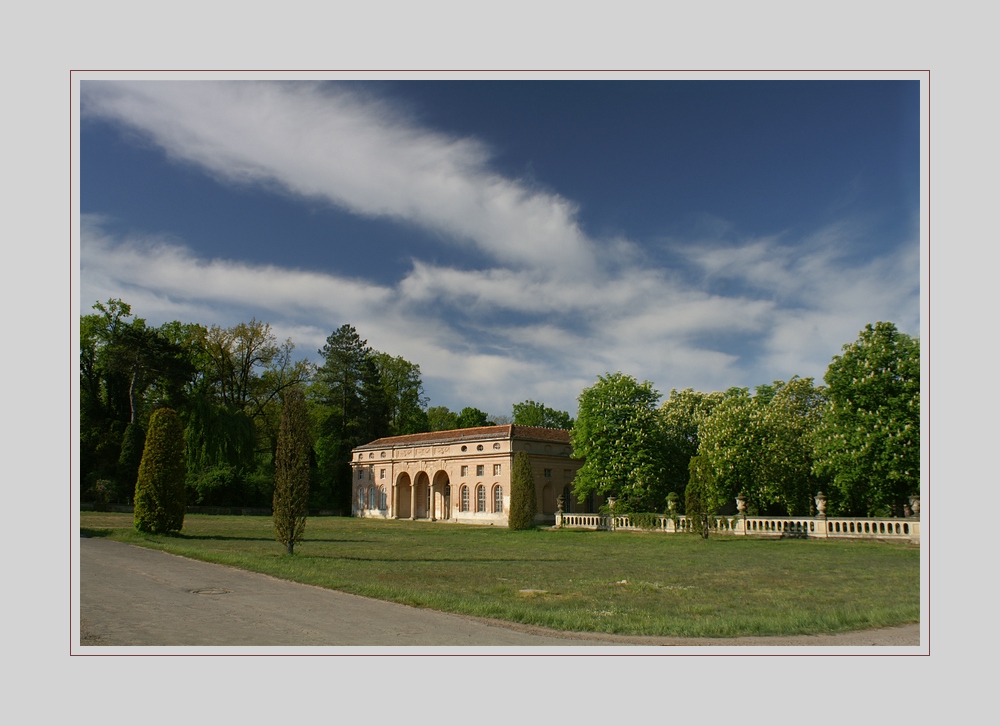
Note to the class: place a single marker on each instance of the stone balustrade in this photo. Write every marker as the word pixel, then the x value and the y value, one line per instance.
pixel 820 527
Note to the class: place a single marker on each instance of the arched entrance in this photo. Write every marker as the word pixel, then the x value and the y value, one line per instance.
pixel 441 508
pixel 421 496
pixel 401 497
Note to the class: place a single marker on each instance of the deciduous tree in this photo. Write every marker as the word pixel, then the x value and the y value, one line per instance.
pixel 404 394
pixel 530 413
pixel 760 446
pixel 618 433
pixel 869 441
pixel 439 418
pixel 680 417
pixel 471 417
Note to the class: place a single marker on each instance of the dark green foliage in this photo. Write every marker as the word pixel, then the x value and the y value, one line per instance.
pixel 695 504
pixel 404 394
pixel 350 409
pixel 680 416
pixel 129 460
pixel 291 471
pixel 439 418
pixel 473 417
pixel 530 413
pixel 644 520
pixel 523 504
pixel 126 371
pixel 159 491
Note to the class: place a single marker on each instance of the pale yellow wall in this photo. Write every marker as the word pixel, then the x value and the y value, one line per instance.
pixel 449 457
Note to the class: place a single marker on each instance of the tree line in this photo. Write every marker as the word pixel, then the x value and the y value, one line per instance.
pixel 226 386
pixel 857 439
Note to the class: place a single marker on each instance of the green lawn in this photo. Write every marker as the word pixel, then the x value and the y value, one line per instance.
pixel 612 582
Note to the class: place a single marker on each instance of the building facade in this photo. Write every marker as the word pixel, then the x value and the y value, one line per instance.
pixel 462 475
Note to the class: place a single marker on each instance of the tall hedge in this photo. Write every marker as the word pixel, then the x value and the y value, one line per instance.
pixel 523 504
pixel 291 471
pixel 159 489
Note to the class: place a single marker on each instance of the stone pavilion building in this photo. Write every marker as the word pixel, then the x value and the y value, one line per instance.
pixel 463 475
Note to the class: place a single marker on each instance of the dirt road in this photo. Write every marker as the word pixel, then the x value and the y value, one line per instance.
pixel 132 596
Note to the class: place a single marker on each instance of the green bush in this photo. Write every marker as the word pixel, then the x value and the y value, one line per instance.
pixel 645 520
pixel 159 490
pixel 523 504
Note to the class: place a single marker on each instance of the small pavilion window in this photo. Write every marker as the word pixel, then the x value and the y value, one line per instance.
pixel 480 469
pixel 496 470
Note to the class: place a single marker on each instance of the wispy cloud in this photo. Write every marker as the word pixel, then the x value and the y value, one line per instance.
pixel 553 308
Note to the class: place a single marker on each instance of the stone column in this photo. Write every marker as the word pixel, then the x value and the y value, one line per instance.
pixel 413 498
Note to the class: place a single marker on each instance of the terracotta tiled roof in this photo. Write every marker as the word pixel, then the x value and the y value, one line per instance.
pixel 535 433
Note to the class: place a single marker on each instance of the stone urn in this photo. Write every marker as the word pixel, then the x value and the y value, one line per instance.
pixel 741 504
pixel 915 506
pixel 821 505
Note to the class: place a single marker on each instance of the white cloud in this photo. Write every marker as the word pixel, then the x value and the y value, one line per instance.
pixel 739 314
pixel 353 151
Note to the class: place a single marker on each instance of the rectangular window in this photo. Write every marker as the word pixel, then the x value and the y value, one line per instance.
pixel 361 473
pixel 381 473
pixel 480 470
pixel 567 473
pixel 465 471
pixel 547 473
pixel 496 470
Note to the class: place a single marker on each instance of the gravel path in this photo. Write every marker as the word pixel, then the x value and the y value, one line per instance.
pixel 132 596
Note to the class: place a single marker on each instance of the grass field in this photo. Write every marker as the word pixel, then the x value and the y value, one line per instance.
pixel 633 583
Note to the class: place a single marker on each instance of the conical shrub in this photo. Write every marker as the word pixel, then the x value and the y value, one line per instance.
pixel 523 504
pixel 291 471
pixel 159 489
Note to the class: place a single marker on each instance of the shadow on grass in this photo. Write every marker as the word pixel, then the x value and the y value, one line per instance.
pixel 268 538
pixel 95 532
pixel 436 559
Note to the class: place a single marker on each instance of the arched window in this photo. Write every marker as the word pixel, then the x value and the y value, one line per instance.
pixel 480 498
pixel 497 499
pixel 361 498
pixel 371 497
pixel 382 500
pixel 465 498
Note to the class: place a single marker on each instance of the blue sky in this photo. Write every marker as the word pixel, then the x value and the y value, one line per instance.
pixel 514 238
